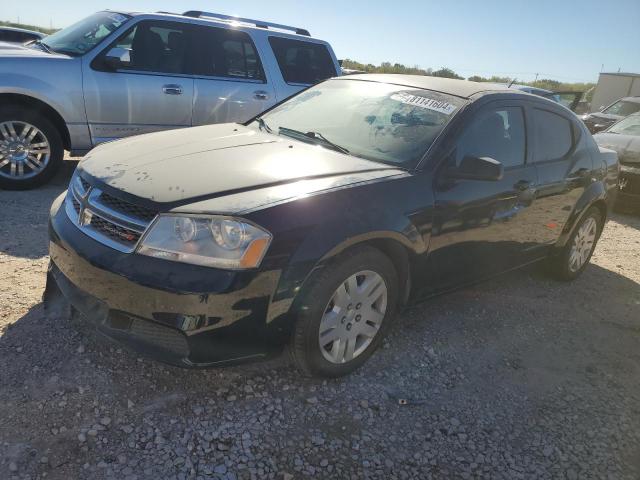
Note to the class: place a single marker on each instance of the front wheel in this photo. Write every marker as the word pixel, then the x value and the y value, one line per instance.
pixel 574 257
pixel 344 313
pixel 31 149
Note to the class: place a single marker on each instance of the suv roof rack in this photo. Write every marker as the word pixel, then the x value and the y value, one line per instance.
pixel 257 23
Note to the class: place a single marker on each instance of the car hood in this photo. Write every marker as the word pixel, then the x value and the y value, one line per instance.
pixel 195 164
pixel 13 50
pixel 604 117
pixel 626 146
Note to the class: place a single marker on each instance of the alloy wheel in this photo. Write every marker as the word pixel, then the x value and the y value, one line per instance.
pixel 353 317
pixel 583 244
pixel 24 150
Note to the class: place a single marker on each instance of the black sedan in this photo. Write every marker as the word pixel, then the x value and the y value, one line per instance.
pixel 624 138
pixel 313 224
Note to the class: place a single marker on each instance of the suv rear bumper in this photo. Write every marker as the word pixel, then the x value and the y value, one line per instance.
pixel 180 314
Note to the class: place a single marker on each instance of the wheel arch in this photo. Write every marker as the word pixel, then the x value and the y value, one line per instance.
pixel 596 196
pixel 42 107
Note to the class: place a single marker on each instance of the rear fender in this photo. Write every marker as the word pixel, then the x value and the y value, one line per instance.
pixel 596 193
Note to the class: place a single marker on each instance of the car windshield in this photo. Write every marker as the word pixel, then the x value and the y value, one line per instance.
pixel 81 37
pixel 623 107
pixel 377 121
pixel 627 126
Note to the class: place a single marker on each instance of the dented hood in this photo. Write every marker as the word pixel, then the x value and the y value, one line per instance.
pixel 212 161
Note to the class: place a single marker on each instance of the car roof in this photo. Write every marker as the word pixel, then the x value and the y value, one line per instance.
pixel 459 88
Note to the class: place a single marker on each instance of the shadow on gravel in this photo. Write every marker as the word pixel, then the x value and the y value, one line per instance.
pixel 628 217
pixel 27 211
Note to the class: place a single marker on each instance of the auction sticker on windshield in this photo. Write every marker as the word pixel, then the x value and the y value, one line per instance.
pixel 424 102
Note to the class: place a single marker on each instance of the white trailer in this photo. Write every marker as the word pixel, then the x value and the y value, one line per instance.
pixel 612 86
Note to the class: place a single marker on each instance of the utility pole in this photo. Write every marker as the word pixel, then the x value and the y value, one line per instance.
pixel 536 78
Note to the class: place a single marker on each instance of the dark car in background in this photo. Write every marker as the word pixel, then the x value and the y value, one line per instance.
pixel 596 122
pixel 312 224
pixel 624 138
pixel 19 35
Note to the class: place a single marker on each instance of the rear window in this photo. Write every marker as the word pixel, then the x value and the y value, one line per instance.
pixel 302 62
pixel 553 136
pixel 623 107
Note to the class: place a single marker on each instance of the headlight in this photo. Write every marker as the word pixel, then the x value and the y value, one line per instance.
pixel 212 241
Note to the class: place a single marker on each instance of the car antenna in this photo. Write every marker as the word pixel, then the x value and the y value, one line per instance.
pixel 511 83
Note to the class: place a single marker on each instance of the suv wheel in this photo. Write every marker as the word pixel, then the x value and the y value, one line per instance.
pixel 344 313
pixel 30 148
pixel 575 256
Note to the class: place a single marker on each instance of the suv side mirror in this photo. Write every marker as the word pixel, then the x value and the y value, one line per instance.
pixel 477 168
pixel 116 58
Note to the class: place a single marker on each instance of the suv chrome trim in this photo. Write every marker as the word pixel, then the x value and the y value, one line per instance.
pixel 85 210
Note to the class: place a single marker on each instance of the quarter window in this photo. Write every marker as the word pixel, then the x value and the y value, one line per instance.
pixel 553 135
pixel 497 133
pixel 302 62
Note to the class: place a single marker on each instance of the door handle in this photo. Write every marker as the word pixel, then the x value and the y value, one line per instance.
pixel 260 95
pixel 172 89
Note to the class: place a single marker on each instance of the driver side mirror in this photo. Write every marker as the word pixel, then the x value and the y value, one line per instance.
pixel 116 58
pixel 477 168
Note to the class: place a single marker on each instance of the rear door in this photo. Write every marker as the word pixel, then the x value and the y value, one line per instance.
pixel 564 167
pixel 152 90
pixel 483 227
pixel 230 83
pixel 301 64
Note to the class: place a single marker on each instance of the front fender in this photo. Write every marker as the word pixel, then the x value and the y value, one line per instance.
pixel 57 84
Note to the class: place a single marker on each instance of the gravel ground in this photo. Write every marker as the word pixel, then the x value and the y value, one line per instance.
pixel 519 377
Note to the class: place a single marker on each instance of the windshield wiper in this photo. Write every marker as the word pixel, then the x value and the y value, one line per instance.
pixel 264 125
pixel 44 46
pixel 314 136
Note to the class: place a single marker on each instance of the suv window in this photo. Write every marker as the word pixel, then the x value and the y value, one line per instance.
pixel 226 53
pixel 156 47
pixel 553 135
pixel 302 62
pixel 498 133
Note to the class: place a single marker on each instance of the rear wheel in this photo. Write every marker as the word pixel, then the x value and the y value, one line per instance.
pixel 575 255
pixel 345 313
pixel 31 149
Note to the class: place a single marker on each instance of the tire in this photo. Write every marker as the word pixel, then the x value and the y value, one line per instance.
pixel 562 265
pixel 43 154
pixel 366 329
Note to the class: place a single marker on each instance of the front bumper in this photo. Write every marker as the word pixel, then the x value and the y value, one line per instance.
pixel 181 314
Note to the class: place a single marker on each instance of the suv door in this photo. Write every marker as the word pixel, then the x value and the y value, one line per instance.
pixel 230 83
pixel 151 89
pixel 564 165
pixel 482 227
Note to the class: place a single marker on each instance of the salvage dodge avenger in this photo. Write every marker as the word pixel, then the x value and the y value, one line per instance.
pixel 313 224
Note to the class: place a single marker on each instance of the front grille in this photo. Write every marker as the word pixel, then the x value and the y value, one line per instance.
pixel 126 208
pixel 630 184
pixel 160 336
pixel 104 217
pixel 114 231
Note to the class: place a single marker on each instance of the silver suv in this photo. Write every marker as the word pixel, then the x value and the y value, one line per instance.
pixel 113 75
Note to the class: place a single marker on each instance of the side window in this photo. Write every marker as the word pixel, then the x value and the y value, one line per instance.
pixel 552 135
pixel 226 53
pixel 156 47
pixel 498 133
pixel 302 62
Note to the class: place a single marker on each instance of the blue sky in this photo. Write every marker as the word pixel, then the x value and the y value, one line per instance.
pixel 563 40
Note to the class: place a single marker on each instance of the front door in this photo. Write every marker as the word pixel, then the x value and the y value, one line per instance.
pixel 230 84
pixel 482 227
pixel 150 90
